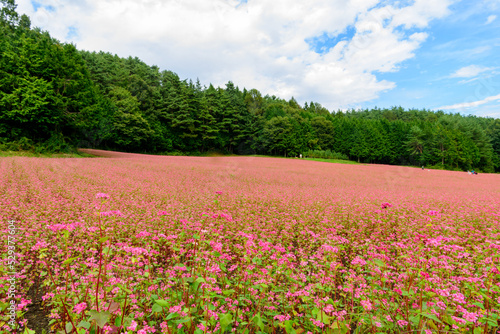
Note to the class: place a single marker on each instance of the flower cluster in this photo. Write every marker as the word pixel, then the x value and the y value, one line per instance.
pixel 303 248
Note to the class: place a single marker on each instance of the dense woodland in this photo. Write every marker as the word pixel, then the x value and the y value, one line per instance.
pixel 54 97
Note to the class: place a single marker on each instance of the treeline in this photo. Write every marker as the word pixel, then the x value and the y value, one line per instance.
pixel 54 97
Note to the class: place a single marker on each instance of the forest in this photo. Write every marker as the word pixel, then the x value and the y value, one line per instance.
pixel 54 97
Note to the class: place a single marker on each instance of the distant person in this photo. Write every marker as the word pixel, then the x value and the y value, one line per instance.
pixel 300 155
pixel 422 167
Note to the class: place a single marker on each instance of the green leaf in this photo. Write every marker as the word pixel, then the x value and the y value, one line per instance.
pixel 125 289
pixel 118 321
pixel 157 308
pixel 415 319
pixel 103 239
pixel 325 319
pixel 183 320
pixel 128 321
pixel 69 327
pixel 225 320
pixel 171 316
pixel 84 324
pixel 431 316
pixel 70 260
pixel 29 331
pixel 491 322
pixel 480 305
pixel 257 320
pixel 101 318
pixel 289 327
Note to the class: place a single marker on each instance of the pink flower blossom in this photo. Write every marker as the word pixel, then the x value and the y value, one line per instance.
pixel 79 308
pixel 402 323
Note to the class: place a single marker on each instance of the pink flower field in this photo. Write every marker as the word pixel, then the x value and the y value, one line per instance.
pixel 151 244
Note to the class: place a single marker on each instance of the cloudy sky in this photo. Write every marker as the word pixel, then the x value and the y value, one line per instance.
pixel 434 54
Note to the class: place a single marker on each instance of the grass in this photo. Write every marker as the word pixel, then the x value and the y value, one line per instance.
pixel 44 155
pixel 336 161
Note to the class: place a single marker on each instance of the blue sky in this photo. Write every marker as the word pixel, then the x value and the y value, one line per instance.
pixel 457 68
pixel 433 54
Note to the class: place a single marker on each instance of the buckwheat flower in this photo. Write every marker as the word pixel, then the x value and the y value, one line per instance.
pixel 54 316
pixel 132 326
pixel 317 323
pixel 441 305
pixel 386 205
pixel 102 195
pixel 164 326
pixel 282 318
pixel 459 320
pixel 79 308
pixel 358 260
pixel 366 305
pixel 472 317
pixel 402 323
pixel 428 331
pixel 377 324
pixel 458 298
pixel 218 192
pixel 47 296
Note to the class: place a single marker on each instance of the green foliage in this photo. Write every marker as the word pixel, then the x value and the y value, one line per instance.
pixel 319 154
pixel 54 97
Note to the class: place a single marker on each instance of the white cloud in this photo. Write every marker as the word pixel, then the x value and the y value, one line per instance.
pixel 256 44
pixel 466 105
pixel 490 19
pixel 469 71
